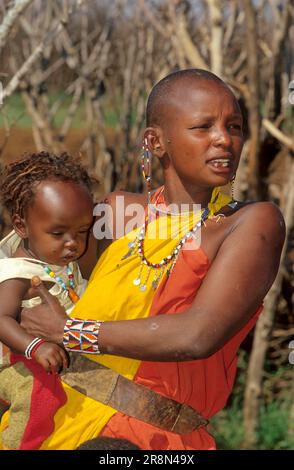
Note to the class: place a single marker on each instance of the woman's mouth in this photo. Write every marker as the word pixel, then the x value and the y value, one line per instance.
pixel 221 165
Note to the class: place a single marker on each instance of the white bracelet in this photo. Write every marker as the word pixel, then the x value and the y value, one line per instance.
pixel 30 347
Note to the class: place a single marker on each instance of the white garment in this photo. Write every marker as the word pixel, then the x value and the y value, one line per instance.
pixel 26 268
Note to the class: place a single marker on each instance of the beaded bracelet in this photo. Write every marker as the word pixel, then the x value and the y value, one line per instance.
pixel 32 347
pixel 82 336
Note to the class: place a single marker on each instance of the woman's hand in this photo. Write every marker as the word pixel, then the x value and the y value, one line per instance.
pixel 46 320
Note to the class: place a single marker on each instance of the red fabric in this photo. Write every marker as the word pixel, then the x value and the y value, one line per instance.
pixel 47 397
pixel 204 384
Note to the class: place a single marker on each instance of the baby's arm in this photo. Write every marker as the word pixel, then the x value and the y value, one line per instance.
pixel 12 292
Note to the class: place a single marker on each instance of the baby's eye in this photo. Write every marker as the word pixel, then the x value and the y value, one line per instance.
pixel 57 234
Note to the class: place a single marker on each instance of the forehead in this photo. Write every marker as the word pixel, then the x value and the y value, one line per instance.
pixel 61 201
pixel 200 96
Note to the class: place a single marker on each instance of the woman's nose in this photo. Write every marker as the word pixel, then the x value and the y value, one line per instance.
pixel 222 137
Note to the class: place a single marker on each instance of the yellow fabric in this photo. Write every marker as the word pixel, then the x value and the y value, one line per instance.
pixel 3 425
pixel 112 296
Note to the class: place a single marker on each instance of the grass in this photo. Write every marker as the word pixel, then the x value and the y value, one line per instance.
pixel 272 431
pixel 15 111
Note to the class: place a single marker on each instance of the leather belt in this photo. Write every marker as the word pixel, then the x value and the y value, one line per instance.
pixel 110 388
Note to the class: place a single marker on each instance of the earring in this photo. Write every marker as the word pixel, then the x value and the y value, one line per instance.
pixel 146 168
pixel 232 186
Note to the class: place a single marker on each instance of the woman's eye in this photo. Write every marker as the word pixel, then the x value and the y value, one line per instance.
pixel 201 126
pixel 235 126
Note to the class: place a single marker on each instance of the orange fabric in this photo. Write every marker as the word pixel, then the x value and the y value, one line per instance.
pixel 204 384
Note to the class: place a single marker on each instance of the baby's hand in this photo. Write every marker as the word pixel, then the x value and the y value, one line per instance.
pixel 52 357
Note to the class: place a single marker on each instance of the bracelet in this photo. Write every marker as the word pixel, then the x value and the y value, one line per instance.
pixel 37 345
pixel 82 336
pixel 32 346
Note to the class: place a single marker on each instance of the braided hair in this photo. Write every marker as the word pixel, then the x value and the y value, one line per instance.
pixel 19 180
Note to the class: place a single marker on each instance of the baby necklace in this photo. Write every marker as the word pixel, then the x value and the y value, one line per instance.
pixel 66 288
pixel 71 280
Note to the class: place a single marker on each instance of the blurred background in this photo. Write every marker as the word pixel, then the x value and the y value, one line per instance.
pixel 75 76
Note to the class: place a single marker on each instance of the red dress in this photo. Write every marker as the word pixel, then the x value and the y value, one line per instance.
pixel 204 384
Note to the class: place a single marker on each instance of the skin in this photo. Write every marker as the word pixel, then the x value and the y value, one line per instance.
pixel 54 229
pixel 202 121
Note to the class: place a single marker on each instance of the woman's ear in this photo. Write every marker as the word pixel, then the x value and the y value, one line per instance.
pixel 153 139
pixel 19 226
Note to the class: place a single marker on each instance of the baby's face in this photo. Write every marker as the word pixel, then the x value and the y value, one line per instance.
pixel 58 222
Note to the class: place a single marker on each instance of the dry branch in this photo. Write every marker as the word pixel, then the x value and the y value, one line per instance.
pixel 10 18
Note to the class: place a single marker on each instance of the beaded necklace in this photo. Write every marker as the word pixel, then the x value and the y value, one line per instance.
pixel 136 247
pixel 71 280
pixel 67 288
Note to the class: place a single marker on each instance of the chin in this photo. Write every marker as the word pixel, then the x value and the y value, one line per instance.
pixel 222 180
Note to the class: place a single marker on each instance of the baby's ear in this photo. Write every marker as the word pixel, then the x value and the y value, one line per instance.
pixel 19 226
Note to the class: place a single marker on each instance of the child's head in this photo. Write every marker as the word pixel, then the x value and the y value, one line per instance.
pixel 193 119
pixel 50 203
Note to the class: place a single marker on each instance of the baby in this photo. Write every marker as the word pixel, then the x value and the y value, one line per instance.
pixel 51 207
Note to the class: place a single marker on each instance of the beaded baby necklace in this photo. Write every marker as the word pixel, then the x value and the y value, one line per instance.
pixel 67 288
pixel 136 247
pixel 71 280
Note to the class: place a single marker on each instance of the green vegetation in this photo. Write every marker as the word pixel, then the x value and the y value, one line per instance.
pixel 272 432
pixel 14 111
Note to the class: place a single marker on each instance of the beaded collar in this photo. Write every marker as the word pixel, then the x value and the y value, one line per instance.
pixel 136 247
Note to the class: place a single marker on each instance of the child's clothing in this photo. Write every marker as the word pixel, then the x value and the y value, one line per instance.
pixel 26 268
pixel 25 387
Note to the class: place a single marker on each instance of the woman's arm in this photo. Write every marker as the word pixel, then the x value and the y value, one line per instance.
pixel 239 278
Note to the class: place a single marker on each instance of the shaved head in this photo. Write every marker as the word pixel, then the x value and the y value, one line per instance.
pixel 163 91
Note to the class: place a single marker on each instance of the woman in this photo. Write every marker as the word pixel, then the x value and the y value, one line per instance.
pixel 174 313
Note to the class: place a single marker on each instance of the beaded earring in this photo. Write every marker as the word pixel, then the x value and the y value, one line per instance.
pixel 146 168
pixel 232 186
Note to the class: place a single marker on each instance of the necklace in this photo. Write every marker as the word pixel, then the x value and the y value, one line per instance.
pixel 137 248
pixel 67 288
pixel 71 280
pixel 160 210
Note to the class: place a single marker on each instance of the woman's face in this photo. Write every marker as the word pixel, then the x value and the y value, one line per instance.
pixel 202 134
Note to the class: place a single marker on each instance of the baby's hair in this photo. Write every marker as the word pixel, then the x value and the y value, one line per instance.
pixel 18 180
pixel 159 96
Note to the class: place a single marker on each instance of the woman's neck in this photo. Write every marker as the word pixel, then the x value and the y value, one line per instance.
pixel 178 194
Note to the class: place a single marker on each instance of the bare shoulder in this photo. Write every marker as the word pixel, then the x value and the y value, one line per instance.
pixel 264 219
pixel 265 215
pixel 115 198
pixel 119 211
